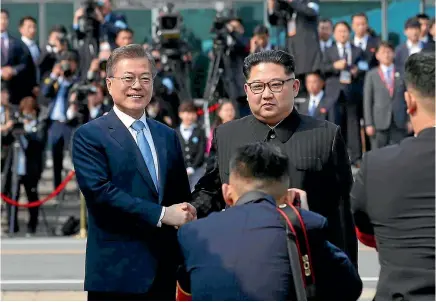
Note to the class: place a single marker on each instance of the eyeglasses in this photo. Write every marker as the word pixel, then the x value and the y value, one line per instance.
pixel 130 80
pixel 274 86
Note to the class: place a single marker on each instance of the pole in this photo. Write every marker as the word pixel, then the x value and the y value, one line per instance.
pixel 422 6
pixel 14 184
pixel 384 17
pixel 83 233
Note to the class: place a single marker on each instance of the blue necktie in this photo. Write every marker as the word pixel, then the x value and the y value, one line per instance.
pixel 312 107
pixel 143 145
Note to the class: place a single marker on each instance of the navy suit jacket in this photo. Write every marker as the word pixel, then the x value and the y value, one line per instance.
pixel 125 248
pixel 241 254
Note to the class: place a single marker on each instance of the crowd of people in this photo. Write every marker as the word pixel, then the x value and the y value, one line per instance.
pixel 294 118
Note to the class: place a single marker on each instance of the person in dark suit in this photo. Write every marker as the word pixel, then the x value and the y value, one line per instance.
pixel 261 39
pixel 325 31
pixel 424 20
pixel 394 193
pixel 30 164
pixel 318 160
pixel 316 104
pixel 430 45
pixel 384 105
pixel 241 253
pixel 13 61
pixel 131 172
pixel 342 69
pixel 302 33
pixel 193 141
pixel 363 40
pixel 412 30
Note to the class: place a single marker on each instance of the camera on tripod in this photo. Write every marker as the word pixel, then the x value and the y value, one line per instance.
pixel 168 31
pixel 89 23
pixel 219 27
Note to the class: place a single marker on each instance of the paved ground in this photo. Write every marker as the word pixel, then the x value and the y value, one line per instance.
pixel 40 269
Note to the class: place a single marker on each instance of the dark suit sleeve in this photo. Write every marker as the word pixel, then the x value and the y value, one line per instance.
pixel 344 180
pixel 47 87
pixel 336 277
pixel 199 158
pixel 94 179
pixel 207 195
pixel 309 10
pixel 327 65
pixel 364 228
pixel 22 56
pixel 180 176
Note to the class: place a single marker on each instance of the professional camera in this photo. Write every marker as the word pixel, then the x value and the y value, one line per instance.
pixel 82 91
pixel 168 30
pixel 89 24
pixel 219 28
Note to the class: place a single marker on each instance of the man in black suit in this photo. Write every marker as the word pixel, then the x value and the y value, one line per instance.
pixel 343 65
pixel 364 40
pixel 394 193
pixel 13 61
pixel 412 30
pixel 318 158
pixel 301 32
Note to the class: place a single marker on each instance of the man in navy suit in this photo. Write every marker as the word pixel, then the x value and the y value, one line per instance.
pixel 131 172
pixel 241 253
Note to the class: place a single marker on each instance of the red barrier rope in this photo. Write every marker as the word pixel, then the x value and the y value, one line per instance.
pixel 37 203
pixel 210 109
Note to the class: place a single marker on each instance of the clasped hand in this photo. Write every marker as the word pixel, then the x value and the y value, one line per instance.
pixel 179 214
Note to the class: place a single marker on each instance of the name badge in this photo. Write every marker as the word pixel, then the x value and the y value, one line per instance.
pixel 363 65
pixel 345 77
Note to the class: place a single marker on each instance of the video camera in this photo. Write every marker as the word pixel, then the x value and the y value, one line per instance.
pixel 89 23
pixel 219 28
pixel 82 91
pixel 168 31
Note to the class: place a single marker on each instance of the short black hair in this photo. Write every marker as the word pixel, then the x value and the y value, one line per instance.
pixel 260 161
pixel 345 23
pixel 317 73
pixel 359 15
pixel 412 23
pixel 386 44
pixel 420 73
pixel 279 57
pixel 4 11
pixel 128 30
pixel 187 106
pixel 261 30
pixel 326 20
pixel 422 16
pixel 27 18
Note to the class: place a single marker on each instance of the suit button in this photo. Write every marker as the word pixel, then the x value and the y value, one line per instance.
pixel 272 136
pixel 187 149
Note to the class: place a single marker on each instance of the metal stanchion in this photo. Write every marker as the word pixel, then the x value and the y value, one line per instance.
pixel 14 185
pixel 83 232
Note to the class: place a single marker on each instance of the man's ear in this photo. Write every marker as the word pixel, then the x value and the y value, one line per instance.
pixel 227 194
pixel 296 87
pixel 108 85
pixel 410 102
pixel 246 88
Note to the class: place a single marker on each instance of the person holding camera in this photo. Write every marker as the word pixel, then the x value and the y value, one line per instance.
pixel 110 22
pixel 56 87
pixel 56 46
pixel 29 130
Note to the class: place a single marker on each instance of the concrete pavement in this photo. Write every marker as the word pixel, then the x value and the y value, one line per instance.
pixel 52 269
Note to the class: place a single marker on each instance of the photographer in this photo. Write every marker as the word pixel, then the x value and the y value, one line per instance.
pixel 234 47
pixel 29 131
pixel 99 14
pixel 86 103
pixel 57 45
pixel 56 87
pixel 300 20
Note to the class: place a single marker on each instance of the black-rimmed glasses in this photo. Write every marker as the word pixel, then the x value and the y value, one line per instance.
pixel 273 85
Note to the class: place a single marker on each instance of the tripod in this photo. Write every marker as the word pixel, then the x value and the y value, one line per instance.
pixel 181 77
pixel 215 72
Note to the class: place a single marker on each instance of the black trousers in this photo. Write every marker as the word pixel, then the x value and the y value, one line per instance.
pixel 392 135
pixel 162 289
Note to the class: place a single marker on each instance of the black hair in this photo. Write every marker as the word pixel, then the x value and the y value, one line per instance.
pixel 386 44
pixel 279 57
pixel 343 23
pixel 261 30
pixel 260 161
pixel 360 15
pixel 419 74
pixel 24 19
pixel 323 20
pixel 422 16
pixel 412 23
pixel 4 11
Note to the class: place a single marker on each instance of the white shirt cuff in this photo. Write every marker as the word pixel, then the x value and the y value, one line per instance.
pixel 159 223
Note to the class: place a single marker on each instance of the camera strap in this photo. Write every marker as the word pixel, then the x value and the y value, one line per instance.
pixel 298 246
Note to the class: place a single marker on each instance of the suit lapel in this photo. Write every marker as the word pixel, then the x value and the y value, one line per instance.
pixel 160 146
pixel 122 135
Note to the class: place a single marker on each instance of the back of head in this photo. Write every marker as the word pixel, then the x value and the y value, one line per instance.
pixel 420 83
pixel 259 167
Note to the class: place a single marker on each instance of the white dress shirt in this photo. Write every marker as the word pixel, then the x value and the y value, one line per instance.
pixel 316 99
pixel 325 44
pixel 128 121
pixel 341 48
pixel 361 42
pixel 414 48
pixel 387 72
pixel 186 131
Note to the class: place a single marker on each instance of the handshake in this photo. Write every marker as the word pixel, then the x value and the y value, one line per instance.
pixel 179 214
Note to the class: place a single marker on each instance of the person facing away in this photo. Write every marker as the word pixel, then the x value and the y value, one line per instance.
pixel 130 170
pixel 393 197
pixel 318 159
pixel 241 253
